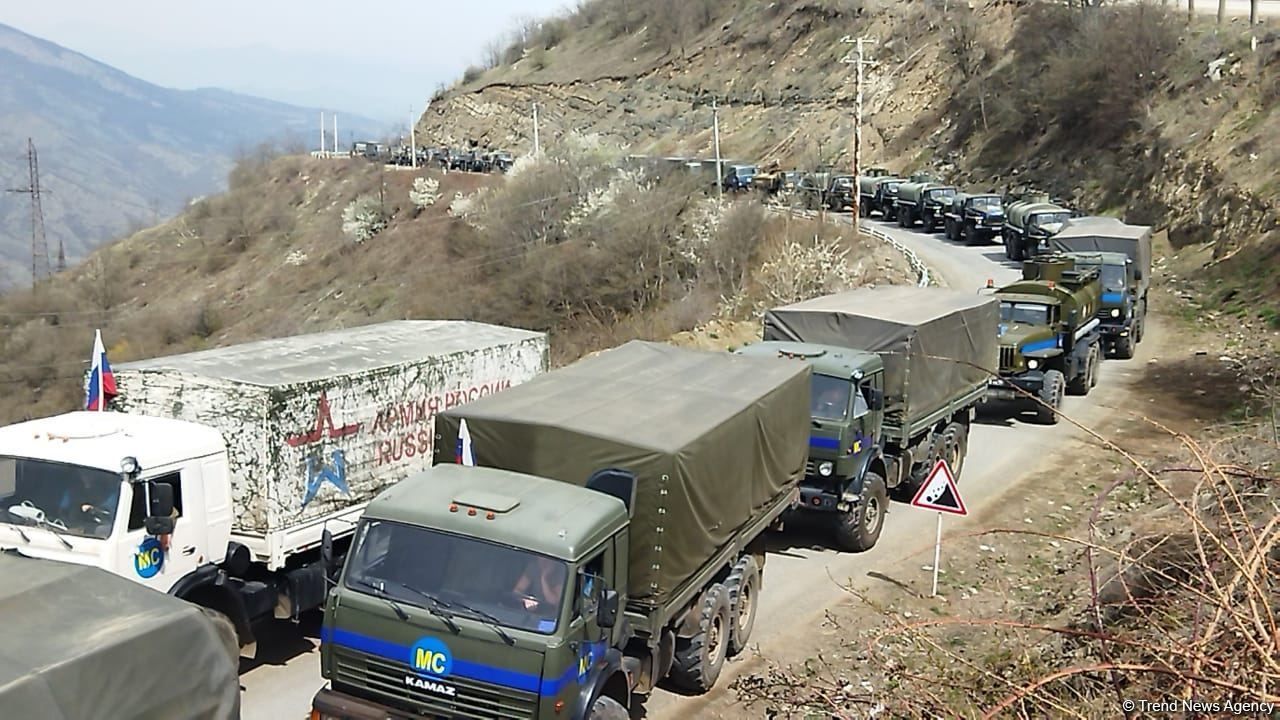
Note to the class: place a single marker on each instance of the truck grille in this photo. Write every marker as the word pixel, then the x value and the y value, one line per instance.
pixel 383 681
pixel 810 468
pixel 1008 357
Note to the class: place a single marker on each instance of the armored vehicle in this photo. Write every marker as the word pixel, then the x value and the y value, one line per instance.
pixel 1050 344
pixel 923 202
pixel 1028 223
pixel 1122 252
pixel 973 218
pixel 776 181
pixel 609 536
pixel 897 374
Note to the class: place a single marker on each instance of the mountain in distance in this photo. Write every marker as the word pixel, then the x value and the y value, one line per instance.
pixel 117 153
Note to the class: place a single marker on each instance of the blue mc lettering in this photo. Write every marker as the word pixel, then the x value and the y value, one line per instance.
pixel 148 558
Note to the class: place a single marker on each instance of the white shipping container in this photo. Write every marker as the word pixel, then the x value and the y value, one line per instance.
pixel 317 425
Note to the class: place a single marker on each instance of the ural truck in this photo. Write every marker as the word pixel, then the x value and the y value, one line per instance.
pixel 1028 224
pixel 1050 344
pixel 638 483
pixel 923 202
pixel 897 375
pixel 81 644
pixel 973 219
pixel 218 481
pixel 839 195
pixel 875 196
pixel 1122 254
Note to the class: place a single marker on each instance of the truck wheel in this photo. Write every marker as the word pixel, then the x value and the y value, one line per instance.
pixel 700 659
pixel 1124 347
pixel 859 529
pixel 1051 393
pixel 1008 253
pixel 1097 365
pixel 606 708
pixel 970 236
pixel 743 584
pixel 956 442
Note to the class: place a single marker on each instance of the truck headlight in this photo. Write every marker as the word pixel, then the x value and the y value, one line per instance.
pixel 1115 312
pixel 1033 364
pixel 826 468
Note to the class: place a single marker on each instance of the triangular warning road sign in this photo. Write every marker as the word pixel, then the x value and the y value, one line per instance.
pixel 939 492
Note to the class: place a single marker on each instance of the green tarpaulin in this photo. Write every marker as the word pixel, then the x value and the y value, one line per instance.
pixel 714 439
pixel 82 644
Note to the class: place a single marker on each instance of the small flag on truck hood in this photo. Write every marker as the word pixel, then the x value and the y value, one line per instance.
pixel 465 455
pixel 102 384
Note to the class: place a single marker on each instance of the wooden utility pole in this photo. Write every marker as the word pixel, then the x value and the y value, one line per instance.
pixel 1222 11
pixel 861 62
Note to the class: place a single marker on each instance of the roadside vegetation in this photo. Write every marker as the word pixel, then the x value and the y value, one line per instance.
pixel 567 244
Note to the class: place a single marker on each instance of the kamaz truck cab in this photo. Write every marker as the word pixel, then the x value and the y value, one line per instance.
pixel 1049 338
pixel 846 439
pixel 432 612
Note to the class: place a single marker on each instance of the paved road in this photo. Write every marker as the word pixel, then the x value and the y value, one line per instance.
pixel 799 579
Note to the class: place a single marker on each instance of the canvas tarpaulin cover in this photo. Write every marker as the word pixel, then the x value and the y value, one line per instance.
pixel 82 644
pixel 713 438
pixel 936 344
pixel 1106 234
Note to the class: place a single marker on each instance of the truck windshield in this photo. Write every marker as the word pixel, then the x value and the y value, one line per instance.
pixel 517 588
pixel 1024 313
pixel 1046 220
pixel 985 203
pixel 941 193
pixel 1113 279
pixel 830 397
pixel 75 500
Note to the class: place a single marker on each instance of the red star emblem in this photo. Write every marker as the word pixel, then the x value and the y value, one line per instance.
pixel 324 421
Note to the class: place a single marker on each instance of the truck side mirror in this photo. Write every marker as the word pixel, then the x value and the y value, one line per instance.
pixel 326 553
pixel 160 519
pixel 607 612
pixel 875 399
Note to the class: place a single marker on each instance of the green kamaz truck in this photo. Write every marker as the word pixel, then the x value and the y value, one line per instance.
pixel 1122 254
pixel 609 536
pixel 1028 224
pixel 897 375
pixel 1050 343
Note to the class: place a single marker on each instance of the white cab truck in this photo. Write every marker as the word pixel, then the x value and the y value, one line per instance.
pixel 218 481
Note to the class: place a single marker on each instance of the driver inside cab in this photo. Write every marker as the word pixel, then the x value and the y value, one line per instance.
pixel 540 587
pixel 88 501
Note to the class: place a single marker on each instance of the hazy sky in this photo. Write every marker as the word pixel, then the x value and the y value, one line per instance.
pixel 373 57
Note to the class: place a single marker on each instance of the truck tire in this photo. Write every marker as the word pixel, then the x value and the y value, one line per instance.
pixel 970 236
pixel 1004 240
pixel 1097 365
pixel 1124 347
pixel 606 708
pixel 744 585
pixel 956 444
pixel 859 529
pixel 1082 383
pixel 930 222
pixel 1051 393
pixel 948 229
pixel 700 659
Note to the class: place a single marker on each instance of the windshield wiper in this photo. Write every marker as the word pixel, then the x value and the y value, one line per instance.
pixel 434 606
pixel 492 621
pixel 53 529
pixel 382 594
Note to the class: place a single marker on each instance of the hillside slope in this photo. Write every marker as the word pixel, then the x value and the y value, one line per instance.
pixel 116 151
pixel 1124 109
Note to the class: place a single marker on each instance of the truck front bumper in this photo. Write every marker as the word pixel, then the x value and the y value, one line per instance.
pixel 1113 330
pixel 1006 387
pixel 331 705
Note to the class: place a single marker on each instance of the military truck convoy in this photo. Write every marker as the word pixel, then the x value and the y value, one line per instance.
pixel 617 507
pixel 898 373
pixel 924 202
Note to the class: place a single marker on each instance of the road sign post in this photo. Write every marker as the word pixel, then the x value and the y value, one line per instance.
pixel 939 493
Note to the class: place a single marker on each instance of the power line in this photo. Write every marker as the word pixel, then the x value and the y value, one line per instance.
pixel 39 244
